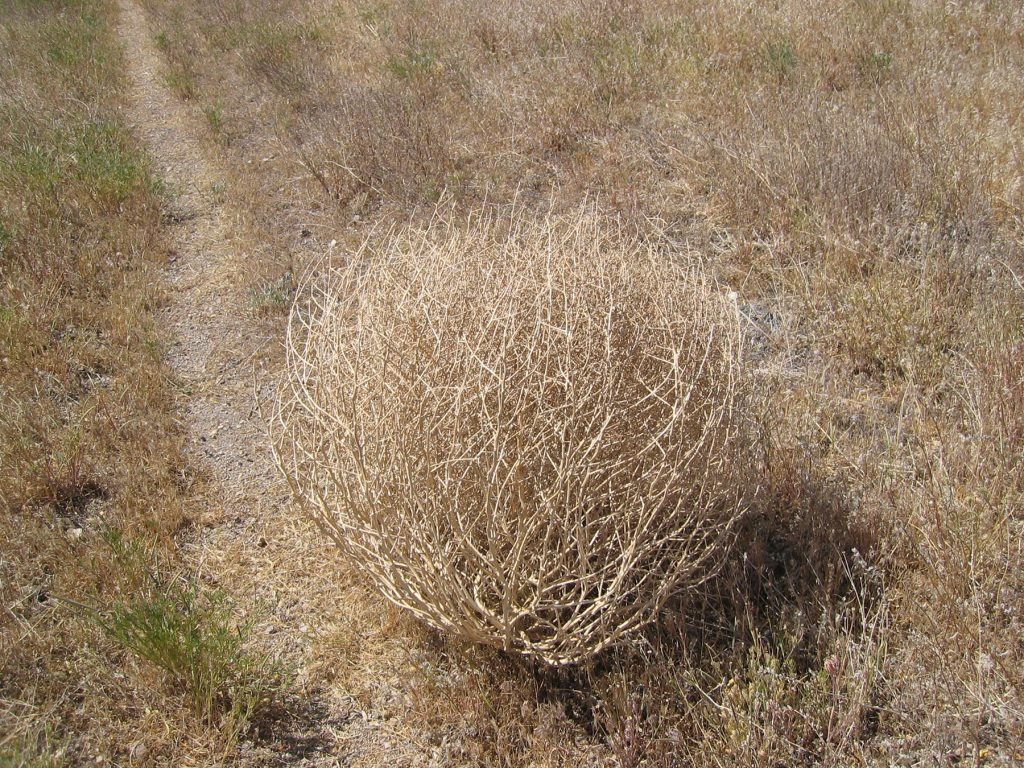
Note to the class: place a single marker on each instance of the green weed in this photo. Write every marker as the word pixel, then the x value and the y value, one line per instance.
pixel 781 59
pixel 194 637
pixel 73 45
pixel 214 115
pixel 95 153
pixel 413 64
pixel 375 18
pixel 105 162
pixel 6 236
pixel 33 166
pixel 273 298
pixel 35 747
pixel 875 66
pixel 183 84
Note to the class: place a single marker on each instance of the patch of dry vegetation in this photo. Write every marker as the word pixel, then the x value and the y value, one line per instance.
pixel 853 170
pixel 93 482
pixel 529 440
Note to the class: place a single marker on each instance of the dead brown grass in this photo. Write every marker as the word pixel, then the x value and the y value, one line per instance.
pixel 91 461
pixel 85 427
pixel 852 169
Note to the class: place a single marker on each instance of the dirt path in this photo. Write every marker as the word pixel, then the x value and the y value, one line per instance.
pixel 210 346
pixel 248 541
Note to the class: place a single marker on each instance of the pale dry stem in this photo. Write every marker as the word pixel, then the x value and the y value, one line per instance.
pixel 526 440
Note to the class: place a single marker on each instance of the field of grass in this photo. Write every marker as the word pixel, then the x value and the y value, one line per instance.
pixel 852 169
pixel 105 638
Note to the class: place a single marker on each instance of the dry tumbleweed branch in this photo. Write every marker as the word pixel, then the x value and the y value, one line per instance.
pixel 526 439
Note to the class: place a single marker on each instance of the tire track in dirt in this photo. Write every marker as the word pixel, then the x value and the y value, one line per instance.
pixel 248 541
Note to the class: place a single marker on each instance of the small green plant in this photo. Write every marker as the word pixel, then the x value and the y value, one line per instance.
pixel 413 64
pixel 96 152
pixel 6 236
pixel 33 166
pixel 34 747
pixel 274 297
pixel 183 84
pixel 156 186
pixel 218 190
pixel 64 55
pixel 214 114
pixel 193 636
pixel 104 159
pixel 153 348
pixel 781 59
pixel 875 66
pixel 70 44
pixel 374 17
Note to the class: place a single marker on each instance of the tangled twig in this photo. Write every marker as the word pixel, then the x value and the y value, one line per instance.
pixel 527 440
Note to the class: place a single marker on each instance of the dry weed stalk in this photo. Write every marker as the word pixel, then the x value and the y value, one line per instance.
pixel 526 440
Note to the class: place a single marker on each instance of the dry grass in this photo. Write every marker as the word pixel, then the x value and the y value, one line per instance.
pixel 90 449
pixel 853 170
pixel 528 440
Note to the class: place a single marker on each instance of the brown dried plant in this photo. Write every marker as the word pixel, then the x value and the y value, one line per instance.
pixel 527 439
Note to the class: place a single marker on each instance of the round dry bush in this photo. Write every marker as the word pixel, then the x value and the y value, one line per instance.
pixel 525 439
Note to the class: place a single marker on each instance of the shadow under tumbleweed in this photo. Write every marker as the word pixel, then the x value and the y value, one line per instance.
pixel 295 729
pixel 796 582
pixel 799 553
pixel 754 659
pixel 777 657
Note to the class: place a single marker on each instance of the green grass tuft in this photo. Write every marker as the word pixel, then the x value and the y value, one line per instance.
pixel 194 636
pixel 780 59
